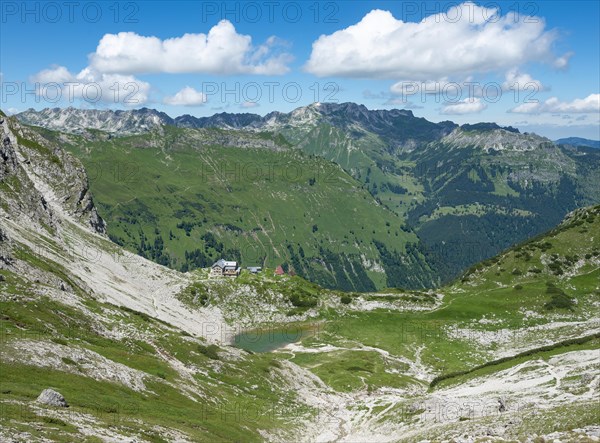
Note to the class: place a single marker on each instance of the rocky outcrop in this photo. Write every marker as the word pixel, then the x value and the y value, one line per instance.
pixel 8 158
pixel 35 171
pixel 19 198
pixel 495 139
pixel 50 397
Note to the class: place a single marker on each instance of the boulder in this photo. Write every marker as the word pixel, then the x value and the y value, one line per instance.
pixel 52 398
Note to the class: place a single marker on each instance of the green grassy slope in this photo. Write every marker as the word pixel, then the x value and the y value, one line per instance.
pixel 210 393
pixel 183 199
pixel 478 203
pixel 500 306
pixel 207 394
pixel 465 202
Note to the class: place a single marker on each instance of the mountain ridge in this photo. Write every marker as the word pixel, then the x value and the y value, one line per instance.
pixel 579 142
pixel 393 125
pixel 143 117
pixel 234 120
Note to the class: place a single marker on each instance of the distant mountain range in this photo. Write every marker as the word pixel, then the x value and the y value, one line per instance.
pixel 137 121
pixel 445 196
pixel 578 141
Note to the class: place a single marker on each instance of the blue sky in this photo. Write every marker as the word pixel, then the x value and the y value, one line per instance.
pixel 534 65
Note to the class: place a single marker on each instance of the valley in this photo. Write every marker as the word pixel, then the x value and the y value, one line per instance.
pixel 387 199
pixel 506 351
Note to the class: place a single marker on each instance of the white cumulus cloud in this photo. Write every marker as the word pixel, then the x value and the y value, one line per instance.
pixel 188 96
pixel 563 61
pixel 58 74
pixel 90 86
pixel 466 106
pixel 590 104
pixel 110 74
pixel 464 40
pixel 521 81
pixel 221 51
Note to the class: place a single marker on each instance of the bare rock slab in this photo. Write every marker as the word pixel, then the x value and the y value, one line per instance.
pixel 52 398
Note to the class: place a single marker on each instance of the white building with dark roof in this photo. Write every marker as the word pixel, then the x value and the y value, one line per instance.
pixel 224 268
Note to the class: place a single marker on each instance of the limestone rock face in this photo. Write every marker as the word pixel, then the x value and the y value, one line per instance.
pixel 38 175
